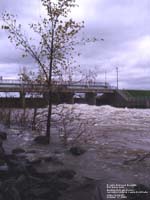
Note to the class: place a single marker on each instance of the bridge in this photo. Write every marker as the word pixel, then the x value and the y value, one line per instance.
pixel 95 93
pixel 8 85
pixel 35 94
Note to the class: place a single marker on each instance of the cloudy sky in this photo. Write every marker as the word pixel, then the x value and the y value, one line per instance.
pixel 123 24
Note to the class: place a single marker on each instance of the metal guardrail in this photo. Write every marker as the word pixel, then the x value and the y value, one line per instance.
pixel 72 84
pixel 10 81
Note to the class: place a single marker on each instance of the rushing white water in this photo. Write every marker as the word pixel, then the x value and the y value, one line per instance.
pixel 112 136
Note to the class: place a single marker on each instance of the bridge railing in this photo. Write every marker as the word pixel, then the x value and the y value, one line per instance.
pixel 85 84
pixel 66 84
pixel 10 81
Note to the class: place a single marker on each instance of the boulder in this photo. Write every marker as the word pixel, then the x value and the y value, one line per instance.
pixel 18 181
pixel 16 164
pixel 2 162
pixel 1 197
pixel 31 151
pixel 89 190
pixel 22 183
pixel 18 150
pixel 66 173
pixel 4 170
pixel 53 159
pixel 42 140
pixel 77 150
pixel 141 192
pixel 4 167
pixel 35 160
pixel 3 135
pixel 10 157
pixel 2 152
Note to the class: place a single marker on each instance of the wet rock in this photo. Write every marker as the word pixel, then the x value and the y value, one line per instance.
pixel 10 157
pixel 22 184
pixel 35 161
pixel 66 173
pixel 2 152
pixel 4 167
pixel 42 140
pixel 3 135
pixel 77 150
pixel 4 170
pixel 51 189
pixel 19 185
pixel 1 197
pixel 17 165
pixel 53 159
pixel 9 191
pixel 41 192
pixel 87 190
pixel 142 192
pixel 20 180
pixel 18 150
pixel 33 158
pixel 2 162
pixel 31 151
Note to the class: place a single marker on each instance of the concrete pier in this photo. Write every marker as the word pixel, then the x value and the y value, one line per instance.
pixel 90 98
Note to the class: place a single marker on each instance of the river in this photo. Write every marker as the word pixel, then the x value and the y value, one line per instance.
pixel 114 139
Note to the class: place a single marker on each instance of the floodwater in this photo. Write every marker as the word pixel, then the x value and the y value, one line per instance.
pixel 114 139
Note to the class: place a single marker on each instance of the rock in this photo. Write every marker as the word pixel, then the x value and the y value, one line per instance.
pixel 18 150
pixel 17 165
pixel 77 151
pixel 41 192
pixel 139 193
pixel 31 151
pixel 10 157
pixel 66 173
pixel 2 162
pixel 20 180
pixel 22 183
pixel 88 191
pixel 52 159
pixel 1 141
pixel 1 197
pixel 4 168
pixel 3 135
pixel 2 152
pixel 33 158
pixel 42 140
pixel 4 171
pixel 35 161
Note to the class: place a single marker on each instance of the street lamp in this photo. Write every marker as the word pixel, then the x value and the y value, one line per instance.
pixel 117 77
pixel 105 77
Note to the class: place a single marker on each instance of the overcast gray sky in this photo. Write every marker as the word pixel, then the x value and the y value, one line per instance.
pixel 124 25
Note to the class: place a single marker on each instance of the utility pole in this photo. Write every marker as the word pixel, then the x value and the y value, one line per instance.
pixel 105 77
pixel 117 76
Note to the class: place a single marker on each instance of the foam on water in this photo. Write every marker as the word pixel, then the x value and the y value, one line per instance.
pixel 116 135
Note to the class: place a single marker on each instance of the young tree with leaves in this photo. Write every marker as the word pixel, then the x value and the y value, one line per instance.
pixel 56 37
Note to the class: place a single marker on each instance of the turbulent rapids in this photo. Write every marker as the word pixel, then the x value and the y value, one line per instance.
pixel 117 141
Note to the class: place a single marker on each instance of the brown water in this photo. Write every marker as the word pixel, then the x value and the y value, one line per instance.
pixel 117 135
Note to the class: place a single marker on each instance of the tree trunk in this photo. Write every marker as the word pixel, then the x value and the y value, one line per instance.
pixel 34 119
pixel 8 120
pixel 48 128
